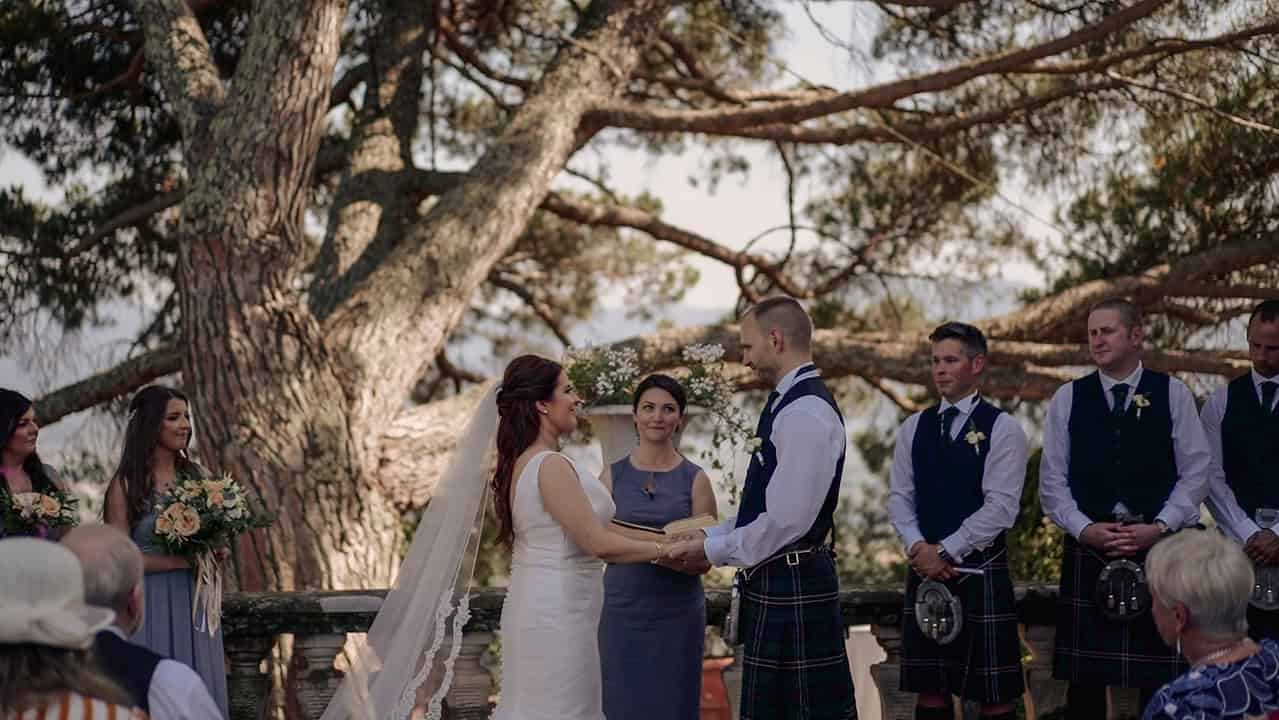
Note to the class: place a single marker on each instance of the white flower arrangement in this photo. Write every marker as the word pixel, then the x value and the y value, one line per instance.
pixel 1140 401
pixel 609 377
pixel 974 437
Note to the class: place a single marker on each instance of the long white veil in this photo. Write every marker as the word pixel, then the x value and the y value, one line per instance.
pixel 417 633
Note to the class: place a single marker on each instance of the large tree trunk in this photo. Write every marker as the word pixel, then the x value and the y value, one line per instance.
pixel 272 406
pixel 295 395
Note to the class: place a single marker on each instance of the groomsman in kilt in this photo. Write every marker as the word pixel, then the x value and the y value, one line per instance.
pixel 1125 462
pixel 794 663
pixel 1242 423
pixel 958 469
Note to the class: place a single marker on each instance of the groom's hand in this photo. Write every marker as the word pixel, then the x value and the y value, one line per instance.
pixel 691 552
pixel 686 567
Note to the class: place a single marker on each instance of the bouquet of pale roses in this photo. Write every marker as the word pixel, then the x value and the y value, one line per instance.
pixel 36 513
pixel 198 517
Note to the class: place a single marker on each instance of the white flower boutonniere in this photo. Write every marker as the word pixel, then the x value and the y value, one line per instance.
pixel 1140 401
pixel 974 438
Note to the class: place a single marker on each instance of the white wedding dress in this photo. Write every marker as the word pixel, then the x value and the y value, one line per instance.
pixel 550 621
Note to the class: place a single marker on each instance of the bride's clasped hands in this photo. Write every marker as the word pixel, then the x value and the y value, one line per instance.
pixel 686 553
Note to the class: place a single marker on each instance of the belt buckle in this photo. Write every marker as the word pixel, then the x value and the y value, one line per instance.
pixel 792 558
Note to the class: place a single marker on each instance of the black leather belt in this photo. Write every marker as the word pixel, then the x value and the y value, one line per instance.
pixel 790 553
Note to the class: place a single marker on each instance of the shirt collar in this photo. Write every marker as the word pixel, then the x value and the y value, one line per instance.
pixel 789 379
pixel 965 404
pixel 1258 378
pixel 115 630
pixel 1131 381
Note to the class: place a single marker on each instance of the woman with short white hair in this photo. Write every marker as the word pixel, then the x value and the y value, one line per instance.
pixel 1200 583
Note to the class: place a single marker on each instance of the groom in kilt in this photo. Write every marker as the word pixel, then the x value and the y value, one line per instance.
pixel 1125 462
pixel 955 488
pixel 794 662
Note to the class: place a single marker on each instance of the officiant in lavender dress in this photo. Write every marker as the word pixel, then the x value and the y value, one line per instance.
pixel 653 624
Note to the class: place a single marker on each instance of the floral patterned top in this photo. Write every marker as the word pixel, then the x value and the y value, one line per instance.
pixel 1241 690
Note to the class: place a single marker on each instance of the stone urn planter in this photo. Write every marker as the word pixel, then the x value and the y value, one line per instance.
pixel 614 425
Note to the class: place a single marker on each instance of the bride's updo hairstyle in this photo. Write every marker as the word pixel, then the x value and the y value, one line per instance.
pixel 528 380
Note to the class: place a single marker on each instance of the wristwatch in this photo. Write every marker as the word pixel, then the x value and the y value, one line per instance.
pixel 1164 530
pixel 945 556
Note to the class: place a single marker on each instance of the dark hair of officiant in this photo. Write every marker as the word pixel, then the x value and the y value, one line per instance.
pixel 147 411
pixel 528 380
pixel 661 382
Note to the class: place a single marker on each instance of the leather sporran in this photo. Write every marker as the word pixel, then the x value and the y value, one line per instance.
pixel 1121 592
pixel 938 612
pixel 1265 593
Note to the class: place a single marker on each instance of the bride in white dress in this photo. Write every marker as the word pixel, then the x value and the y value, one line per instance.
pixel 555 515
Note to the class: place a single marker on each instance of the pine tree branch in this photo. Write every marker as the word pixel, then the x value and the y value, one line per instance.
pixel 622 114
pixel 179 54
pixel 108 384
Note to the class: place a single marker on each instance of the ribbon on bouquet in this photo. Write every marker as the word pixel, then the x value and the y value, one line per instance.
pixel 206 611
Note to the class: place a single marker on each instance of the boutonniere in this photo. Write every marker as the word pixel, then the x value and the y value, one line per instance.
pixel 974 437
pixel 1140 401
pixel 753 444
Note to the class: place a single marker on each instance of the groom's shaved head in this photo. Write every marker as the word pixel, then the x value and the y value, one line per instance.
pixel 787 315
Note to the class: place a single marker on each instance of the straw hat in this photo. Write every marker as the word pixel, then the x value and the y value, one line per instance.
pixel 42 596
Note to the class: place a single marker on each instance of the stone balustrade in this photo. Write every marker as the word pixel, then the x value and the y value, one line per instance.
pixel 319 621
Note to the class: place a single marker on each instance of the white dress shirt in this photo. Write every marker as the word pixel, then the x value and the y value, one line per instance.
pixel 1003 475
pixel 1221 499
pixel 1190 450
pixel 810 440
pixel 176 692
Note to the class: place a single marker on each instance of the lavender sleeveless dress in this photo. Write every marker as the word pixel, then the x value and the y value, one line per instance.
pixel 168 629
pixel 652 628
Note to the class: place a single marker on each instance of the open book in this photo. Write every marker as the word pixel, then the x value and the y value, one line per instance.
pixel 697 522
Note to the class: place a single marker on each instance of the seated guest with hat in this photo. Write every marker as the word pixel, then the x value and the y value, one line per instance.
pixel 47 668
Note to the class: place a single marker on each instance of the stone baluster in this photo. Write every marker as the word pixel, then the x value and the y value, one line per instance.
pixel 317 680
pixel 893 703
pixel 472 682
pixel 248 685
pixel 1045 692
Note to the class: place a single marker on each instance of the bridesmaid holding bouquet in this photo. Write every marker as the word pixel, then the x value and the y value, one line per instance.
pixel 23 474
pixel 153 461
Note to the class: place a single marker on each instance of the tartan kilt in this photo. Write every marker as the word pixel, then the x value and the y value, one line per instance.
pixel 1263 624
pixel 983 663
pixel 1091 649
pixel 793 660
